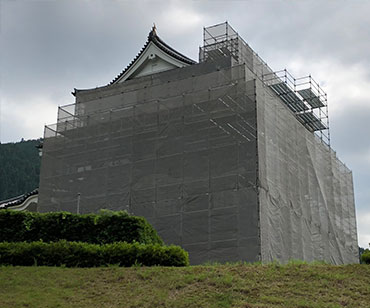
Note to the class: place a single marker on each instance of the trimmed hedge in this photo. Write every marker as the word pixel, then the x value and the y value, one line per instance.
pixel 105 227
pixel 77 254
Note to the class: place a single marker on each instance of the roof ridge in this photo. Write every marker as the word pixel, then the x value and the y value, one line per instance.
pixel 17 200
pixel 159 40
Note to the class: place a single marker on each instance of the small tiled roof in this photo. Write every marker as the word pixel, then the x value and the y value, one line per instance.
pixel 17 200
pixel 153 37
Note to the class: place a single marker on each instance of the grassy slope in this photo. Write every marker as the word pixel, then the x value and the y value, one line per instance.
pixel 293 285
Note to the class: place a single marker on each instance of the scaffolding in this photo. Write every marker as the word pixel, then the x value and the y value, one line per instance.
pixel 66 120
pixel 303 96
pixel 73 116
pixel 219 41
pixel 182 151
pixel 184 158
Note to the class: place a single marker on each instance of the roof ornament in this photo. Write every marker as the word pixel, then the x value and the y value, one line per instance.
pixel 153 32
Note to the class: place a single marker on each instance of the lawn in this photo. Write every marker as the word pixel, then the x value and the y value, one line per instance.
pixel 234 285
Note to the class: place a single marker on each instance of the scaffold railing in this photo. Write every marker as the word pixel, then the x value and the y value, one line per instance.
pixel 305 98
pixel 222 40
pixel 137 114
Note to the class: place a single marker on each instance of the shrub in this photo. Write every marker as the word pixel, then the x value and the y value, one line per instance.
pixel 77 254
pixel 365 257
pixel 102 228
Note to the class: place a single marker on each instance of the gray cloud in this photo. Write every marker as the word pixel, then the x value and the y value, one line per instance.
pixel 351 140
pixel 50 47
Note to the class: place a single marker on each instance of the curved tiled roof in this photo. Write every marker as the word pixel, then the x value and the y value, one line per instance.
pixel 17 200
pixel 153 37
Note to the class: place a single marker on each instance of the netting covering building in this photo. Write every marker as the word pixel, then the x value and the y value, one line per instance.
pixel 225 157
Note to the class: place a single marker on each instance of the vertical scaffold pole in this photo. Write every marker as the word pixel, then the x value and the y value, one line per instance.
pixel 78 202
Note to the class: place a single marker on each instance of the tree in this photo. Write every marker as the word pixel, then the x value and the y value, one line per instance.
pixel 20 168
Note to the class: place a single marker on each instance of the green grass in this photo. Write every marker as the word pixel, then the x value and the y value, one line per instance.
pixel 234 285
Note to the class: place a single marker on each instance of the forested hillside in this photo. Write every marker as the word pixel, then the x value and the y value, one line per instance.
pixel 19 168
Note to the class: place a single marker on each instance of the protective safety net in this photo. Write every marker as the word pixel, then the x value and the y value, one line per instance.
pixel 221 160
pixel 305 191
pixel 177 149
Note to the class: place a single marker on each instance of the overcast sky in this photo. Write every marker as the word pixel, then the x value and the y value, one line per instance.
pixel 47 48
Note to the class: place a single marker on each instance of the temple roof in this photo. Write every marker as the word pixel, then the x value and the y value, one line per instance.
pixel 19 200
pixel 154 57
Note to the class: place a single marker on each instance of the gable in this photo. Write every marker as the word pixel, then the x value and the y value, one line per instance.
pixel 152 60
pixel 156 56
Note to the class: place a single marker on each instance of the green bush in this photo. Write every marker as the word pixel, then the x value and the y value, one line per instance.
pixel 365 257
pixel 77 254
pixel 102 228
